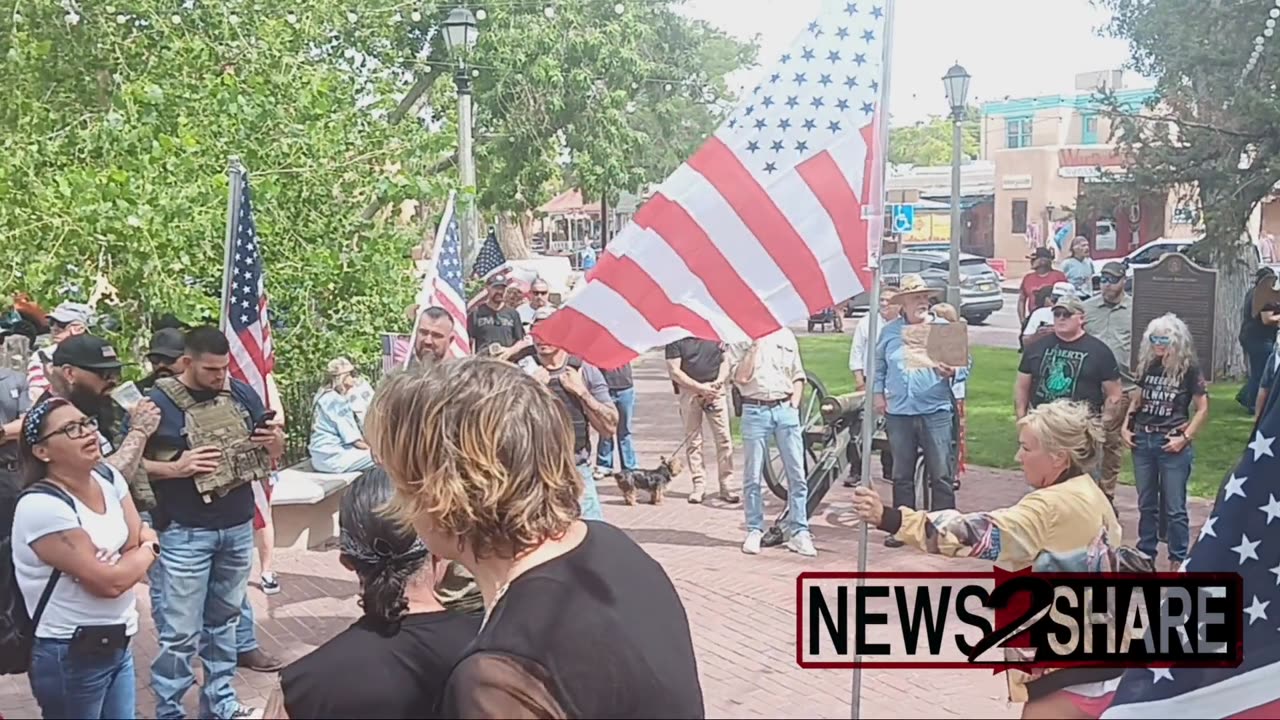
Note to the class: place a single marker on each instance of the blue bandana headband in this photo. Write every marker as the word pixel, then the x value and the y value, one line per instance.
pixel 35 418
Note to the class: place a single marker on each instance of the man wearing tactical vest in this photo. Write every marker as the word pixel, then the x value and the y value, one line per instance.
pixel 166 354
pixel 585 394
pixel 213 442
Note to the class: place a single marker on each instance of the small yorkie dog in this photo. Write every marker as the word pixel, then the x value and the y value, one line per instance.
pixel 655 481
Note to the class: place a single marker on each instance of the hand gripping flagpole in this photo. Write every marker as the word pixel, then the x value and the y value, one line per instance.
pixel 873 318
pixel 235 175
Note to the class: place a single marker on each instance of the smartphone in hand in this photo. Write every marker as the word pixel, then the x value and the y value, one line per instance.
pixel 264 422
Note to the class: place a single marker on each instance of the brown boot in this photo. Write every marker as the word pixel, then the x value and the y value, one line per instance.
pixel 695 497
pixel 259 660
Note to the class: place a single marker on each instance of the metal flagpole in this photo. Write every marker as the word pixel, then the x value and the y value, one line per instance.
pixel 235 173
pixel 873 318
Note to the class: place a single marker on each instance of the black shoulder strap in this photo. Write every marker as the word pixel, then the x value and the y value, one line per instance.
pixel 47 488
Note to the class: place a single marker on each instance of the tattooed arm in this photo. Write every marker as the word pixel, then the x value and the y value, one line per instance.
pixel 72 552
pixel 143 421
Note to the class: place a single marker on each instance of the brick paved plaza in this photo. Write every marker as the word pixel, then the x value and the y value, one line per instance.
pixel 741 607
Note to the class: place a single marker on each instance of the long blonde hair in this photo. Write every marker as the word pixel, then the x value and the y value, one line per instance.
pixel 1181 352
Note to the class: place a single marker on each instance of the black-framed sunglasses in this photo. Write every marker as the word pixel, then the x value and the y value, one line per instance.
pixel 1062 314
pixel 1111 280
pixel 76 430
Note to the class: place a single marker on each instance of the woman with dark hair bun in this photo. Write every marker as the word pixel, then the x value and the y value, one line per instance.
pixel 405 643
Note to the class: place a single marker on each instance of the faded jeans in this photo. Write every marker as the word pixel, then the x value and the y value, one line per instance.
pixel 590 503
pixel 625 401
pixel 206 573
pixel 246 640
pixel 1162 476
pixel 782 423
pixel 80 685
pixel 911 435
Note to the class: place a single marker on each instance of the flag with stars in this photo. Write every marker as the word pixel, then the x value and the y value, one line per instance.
pixel 244 310
pixel 491 259
pixel 442 286
pixel 769 222
pixel 1239 537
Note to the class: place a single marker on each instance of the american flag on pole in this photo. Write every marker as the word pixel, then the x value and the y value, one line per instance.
pixel 395 351
pixel 767 223
pixel 1238 537
pixel 491 258
pixel 442 286
pixel 244 310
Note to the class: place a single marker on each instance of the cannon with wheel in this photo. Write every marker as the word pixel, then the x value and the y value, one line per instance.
pixel 829 423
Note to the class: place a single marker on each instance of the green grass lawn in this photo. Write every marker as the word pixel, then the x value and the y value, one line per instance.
pixel 991 436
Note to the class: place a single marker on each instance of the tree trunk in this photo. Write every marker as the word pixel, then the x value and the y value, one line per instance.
pixel 512 238
pixel 1225 223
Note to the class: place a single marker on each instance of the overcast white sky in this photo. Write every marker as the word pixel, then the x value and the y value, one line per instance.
pixel 1015 48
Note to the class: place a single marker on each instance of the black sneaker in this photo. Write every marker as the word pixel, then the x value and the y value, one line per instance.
pixel 893 542
pixel 270 585
pixel 244 712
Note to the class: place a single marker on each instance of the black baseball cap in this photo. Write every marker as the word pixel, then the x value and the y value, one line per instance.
pixel 1041 252
pixel 167 343
pixel 87 352
pixel 499 280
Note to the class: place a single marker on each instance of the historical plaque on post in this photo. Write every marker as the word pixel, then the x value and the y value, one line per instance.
pixel 1176 285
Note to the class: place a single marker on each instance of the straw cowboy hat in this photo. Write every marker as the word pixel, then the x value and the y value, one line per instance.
pixel 913 285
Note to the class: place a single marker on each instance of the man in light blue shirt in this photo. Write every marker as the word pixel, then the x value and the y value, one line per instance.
pixel 917 404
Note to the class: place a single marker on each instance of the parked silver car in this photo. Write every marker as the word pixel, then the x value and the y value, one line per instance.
pixel 980 294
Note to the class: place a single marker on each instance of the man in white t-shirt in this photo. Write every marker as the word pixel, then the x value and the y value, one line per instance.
pixel 858 350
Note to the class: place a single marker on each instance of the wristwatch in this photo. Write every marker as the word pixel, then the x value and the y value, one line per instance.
pixel 155 547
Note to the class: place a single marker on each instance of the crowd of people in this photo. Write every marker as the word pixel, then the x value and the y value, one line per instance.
pixel 475 527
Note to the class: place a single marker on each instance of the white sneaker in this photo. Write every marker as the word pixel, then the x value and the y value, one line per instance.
pixel 245 712
pixel 802 543
pixel 751 545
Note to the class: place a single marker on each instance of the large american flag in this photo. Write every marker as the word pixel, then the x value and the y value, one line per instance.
pixel 442 286
pixel 245 318
pixel 1238 537
pixel 767 223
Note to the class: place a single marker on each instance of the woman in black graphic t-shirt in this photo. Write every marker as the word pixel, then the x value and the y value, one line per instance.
pixel 1160 428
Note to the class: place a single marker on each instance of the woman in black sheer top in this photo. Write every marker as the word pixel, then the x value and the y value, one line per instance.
pixel 580 622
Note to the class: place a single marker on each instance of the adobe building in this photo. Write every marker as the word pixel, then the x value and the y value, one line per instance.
pixel 1056 176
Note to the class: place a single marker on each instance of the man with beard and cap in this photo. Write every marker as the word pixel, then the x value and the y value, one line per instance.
pixel 165 355
pixel 85 369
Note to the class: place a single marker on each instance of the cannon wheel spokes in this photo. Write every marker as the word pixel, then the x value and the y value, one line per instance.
pixel 774 474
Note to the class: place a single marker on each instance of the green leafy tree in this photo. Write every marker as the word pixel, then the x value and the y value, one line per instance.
pixel 610 99
pixel 114 137
pixel 929 143
pixel 1211 129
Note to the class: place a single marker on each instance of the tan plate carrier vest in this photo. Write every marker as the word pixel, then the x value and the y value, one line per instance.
pixel 223 424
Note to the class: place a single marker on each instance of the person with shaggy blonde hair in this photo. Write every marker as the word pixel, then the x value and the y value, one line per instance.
pixel 482 457
pixel 1065 524
pixel 1166 412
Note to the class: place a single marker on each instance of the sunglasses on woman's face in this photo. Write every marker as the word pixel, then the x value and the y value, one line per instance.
pixel 1161 340
pixel 75 430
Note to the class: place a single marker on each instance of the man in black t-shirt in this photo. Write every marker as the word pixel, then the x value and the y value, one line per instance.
pixel 492 322
pixel 1068 365
pixel 698 370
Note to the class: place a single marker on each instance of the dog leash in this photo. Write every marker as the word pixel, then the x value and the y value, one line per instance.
pixel 693 432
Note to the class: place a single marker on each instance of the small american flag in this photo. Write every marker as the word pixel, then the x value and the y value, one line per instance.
pixel 442 286
pixel 768 222
pixel 1233 539
pixel 395 351
pixel 244 311
pixel 491 257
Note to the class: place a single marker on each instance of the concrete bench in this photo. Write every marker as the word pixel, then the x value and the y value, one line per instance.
pixel 304 506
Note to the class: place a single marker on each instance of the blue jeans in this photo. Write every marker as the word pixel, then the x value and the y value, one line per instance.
pixel 207 572
pixel 1259 354
pixel 82 686
pixel 782 423
pixel 590 503
pixel 625 401
pixel 1160 475
pixel 246 641
pixel 911 435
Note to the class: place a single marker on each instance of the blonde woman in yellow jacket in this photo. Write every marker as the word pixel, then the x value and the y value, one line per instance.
pixel 1065 524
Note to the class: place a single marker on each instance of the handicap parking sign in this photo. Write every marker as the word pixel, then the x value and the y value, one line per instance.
pixel 902 218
